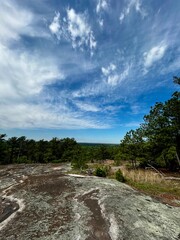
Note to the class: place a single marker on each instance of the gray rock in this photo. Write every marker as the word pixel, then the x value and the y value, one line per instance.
pixel 59 206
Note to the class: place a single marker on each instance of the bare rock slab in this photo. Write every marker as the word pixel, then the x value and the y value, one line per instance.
pixel 61 206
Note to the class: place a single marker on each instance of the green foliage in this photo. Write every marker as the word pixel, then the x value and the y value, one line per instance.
pixel 142 162
pixel 3 149
pixel 79 164
pixel 157 140
pixel 176 80
pixel 119 176
pixel 170 158
pixel 22 159
pixel 56 161
pixel 118 158
pixel 79 160
pixel 22 150
pixel 100 172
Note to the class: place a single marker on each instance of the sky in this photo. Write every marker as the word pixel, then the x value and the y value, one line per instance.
pixel 87 69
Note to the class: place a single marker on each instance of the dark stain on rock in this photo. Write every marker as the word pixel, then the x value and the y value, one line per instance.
pixel 99 227
pixel 7 208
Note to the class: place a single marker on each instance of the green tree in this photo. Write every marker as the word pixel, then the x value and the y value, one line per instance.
pixel 157 141
pixel 176 80
pixel 78 158
pixel 3 149
pixel 162 126
pixel 132 146
pixel 119 176
pixel 13 148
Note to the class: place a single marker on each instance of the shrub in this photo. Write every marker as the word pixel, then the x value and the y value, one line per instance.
pixel 119 176
pixel 56 161
pixel 100 172
pixel 79 164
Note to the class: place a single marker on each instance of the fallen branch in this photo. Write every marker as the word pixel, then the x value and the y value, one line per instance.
pixel 160 173
pixel 172 178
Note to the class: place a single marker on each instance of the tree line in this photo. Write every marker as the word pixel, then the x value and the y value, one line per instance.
pixel 23 150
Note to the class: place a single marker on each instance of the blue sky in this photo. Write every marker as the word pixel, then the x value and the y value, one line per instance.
pixel 88 69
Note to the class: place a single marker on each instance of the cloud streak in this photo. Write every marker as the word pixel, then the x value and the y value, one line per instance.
pixel 133 4
pixel 27 76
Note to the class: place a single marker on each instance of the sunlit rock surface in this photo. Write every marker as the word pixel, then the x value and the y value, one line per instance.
pixel 43 202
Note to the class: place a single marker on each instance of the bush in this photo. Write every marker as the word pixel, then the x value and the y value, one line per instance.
pixel 100 172
pixel 119 176
pixel 79 164
pixel 22 159
pixel 56 161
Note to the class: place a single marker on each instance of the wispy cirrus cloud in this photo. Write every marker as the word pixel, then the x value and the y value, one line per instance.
pixel 87 107
pixel 133 4
pixel 14 21
pixel 30 116
pixel 17 22
pixel 101 5
pixel 114 76
pixel 27 76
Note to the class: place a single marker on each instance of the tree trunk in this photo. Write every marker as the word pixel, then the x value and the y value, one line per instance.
pixel 177 158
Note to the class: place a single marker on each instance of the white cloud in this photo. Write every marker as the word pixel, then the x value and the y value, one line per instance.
pixel 77 25
pixel 13 20
pixel 101 22
pixel 87 107
pixel 24 77
pixel 92 42
pixel 154 54
pixel 101 5
pixel 55 25
pixel 121 18
pixel 38 116
pixel 80 31
pixel 113 80
pixel 133 4
pixel 114 77
pixel 74 29
pixel 109 69
pixel 16 21
pixel 23 100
